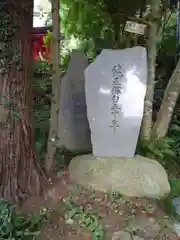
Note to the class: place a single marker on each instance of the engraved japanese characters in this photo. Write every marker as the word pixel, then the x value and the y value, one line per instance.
pixel 116 91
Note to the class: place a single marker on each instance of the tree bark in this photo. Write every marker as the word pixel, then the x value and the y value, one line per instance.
pixel 20 173
pixel 165 113
pixel 146 126
pixel 53 129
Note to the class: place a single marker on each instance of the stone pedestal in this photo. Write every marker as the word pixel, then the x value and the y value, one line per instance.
pixel 132 177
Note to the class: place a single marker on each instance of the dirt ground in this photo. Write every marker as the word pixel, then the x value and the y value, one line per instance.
pixel 76 213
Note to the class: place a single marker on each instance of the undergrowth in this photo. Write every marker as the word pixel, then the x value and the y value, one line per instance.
pixel 90 221
pixel 15 225
pixel 165 150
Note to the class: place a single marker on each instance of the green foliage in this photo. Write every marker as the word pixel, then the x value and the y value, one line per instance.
pixel 167 202
pixel 42 68
pixel 14 225
pixel 90 221
pixel 160 149
pixel 48 39
pixel 166 57
pixel 42 103
pixel 167 45
pixel 77 16
pixel 98 22
pixel 174 134
pixel 175 187
pixel 8 55
pixel 65 58
pixel 165 151
pixel 41 129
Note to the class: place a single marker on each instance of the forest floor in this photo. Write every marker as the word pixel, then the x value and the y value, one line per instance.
pixel 76 213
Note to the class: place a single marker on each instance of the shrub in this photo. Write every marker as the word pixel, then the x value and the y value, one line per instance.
pixel 14 225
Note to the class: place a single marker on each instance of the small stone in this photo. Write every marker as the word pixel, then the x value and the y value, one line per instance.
pixel 122 235
pixel 69 221
pixel 121 212
pixel 137 238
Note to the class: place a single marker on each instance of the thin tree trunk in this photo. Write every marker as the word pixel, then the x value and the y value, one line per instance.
pixel 117 36
pixel 165 113
pixel 53 129
pixel 20 173
pixel 151 48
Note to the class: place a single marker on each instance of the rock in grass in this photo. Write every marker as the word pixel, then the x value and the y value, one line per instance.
pixel 132 177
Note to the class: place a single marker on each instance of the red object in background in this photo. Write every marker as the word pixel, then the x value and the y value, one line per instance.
pixel 40 52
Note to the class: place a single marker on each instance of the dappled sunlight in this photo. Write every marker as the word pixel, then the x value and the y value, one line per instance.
pixel 105 91
pixel 134 93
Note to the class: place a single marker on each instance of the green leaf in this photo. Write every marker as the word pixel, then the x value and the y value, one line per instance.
pixel 73 212
pixel 60 174
pixel 14 225
pixel 169 152
pixel 175 186
pixel 175 127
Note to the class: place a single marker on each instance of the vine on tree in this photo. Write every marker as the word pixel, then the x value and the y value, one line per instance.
pixel 8 56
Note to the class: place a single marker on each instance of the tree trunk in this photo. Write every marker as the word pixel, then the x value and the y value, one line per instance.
pixel 165 113
pixel 20 173
pixel 117 42
pixel 151 49
pixel 53 129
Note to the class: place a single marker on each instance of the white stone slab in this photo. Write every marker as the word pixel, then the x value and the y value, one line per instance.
pixel 115 106
pixel 74 131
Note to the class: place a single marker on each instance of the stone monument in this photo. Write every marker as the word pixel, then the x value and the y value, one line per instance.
pixel 115 87
pixel 74 132
pixel 115 90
